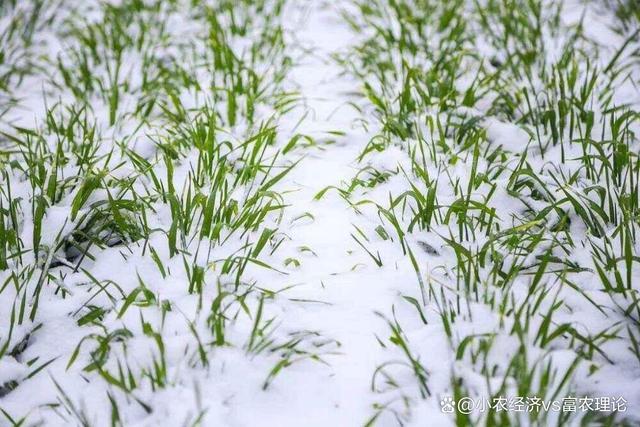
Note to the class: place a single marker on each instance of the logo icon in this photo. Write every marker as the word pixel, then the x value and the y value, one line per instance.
pixel 447 404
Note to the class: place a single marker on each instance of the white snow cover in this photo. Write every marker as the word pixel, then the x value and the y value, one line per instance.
pixel 320 292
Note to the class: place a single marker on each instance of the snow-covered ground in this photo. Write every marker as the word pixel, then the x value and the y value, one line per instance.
pixel 288 213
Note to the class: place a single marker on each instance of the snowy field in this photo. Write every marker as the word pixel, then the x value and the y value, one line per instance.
pixel 308 213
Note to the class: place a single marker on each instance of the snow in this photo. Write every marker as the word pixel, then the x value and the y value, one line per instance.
pixel 336 293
